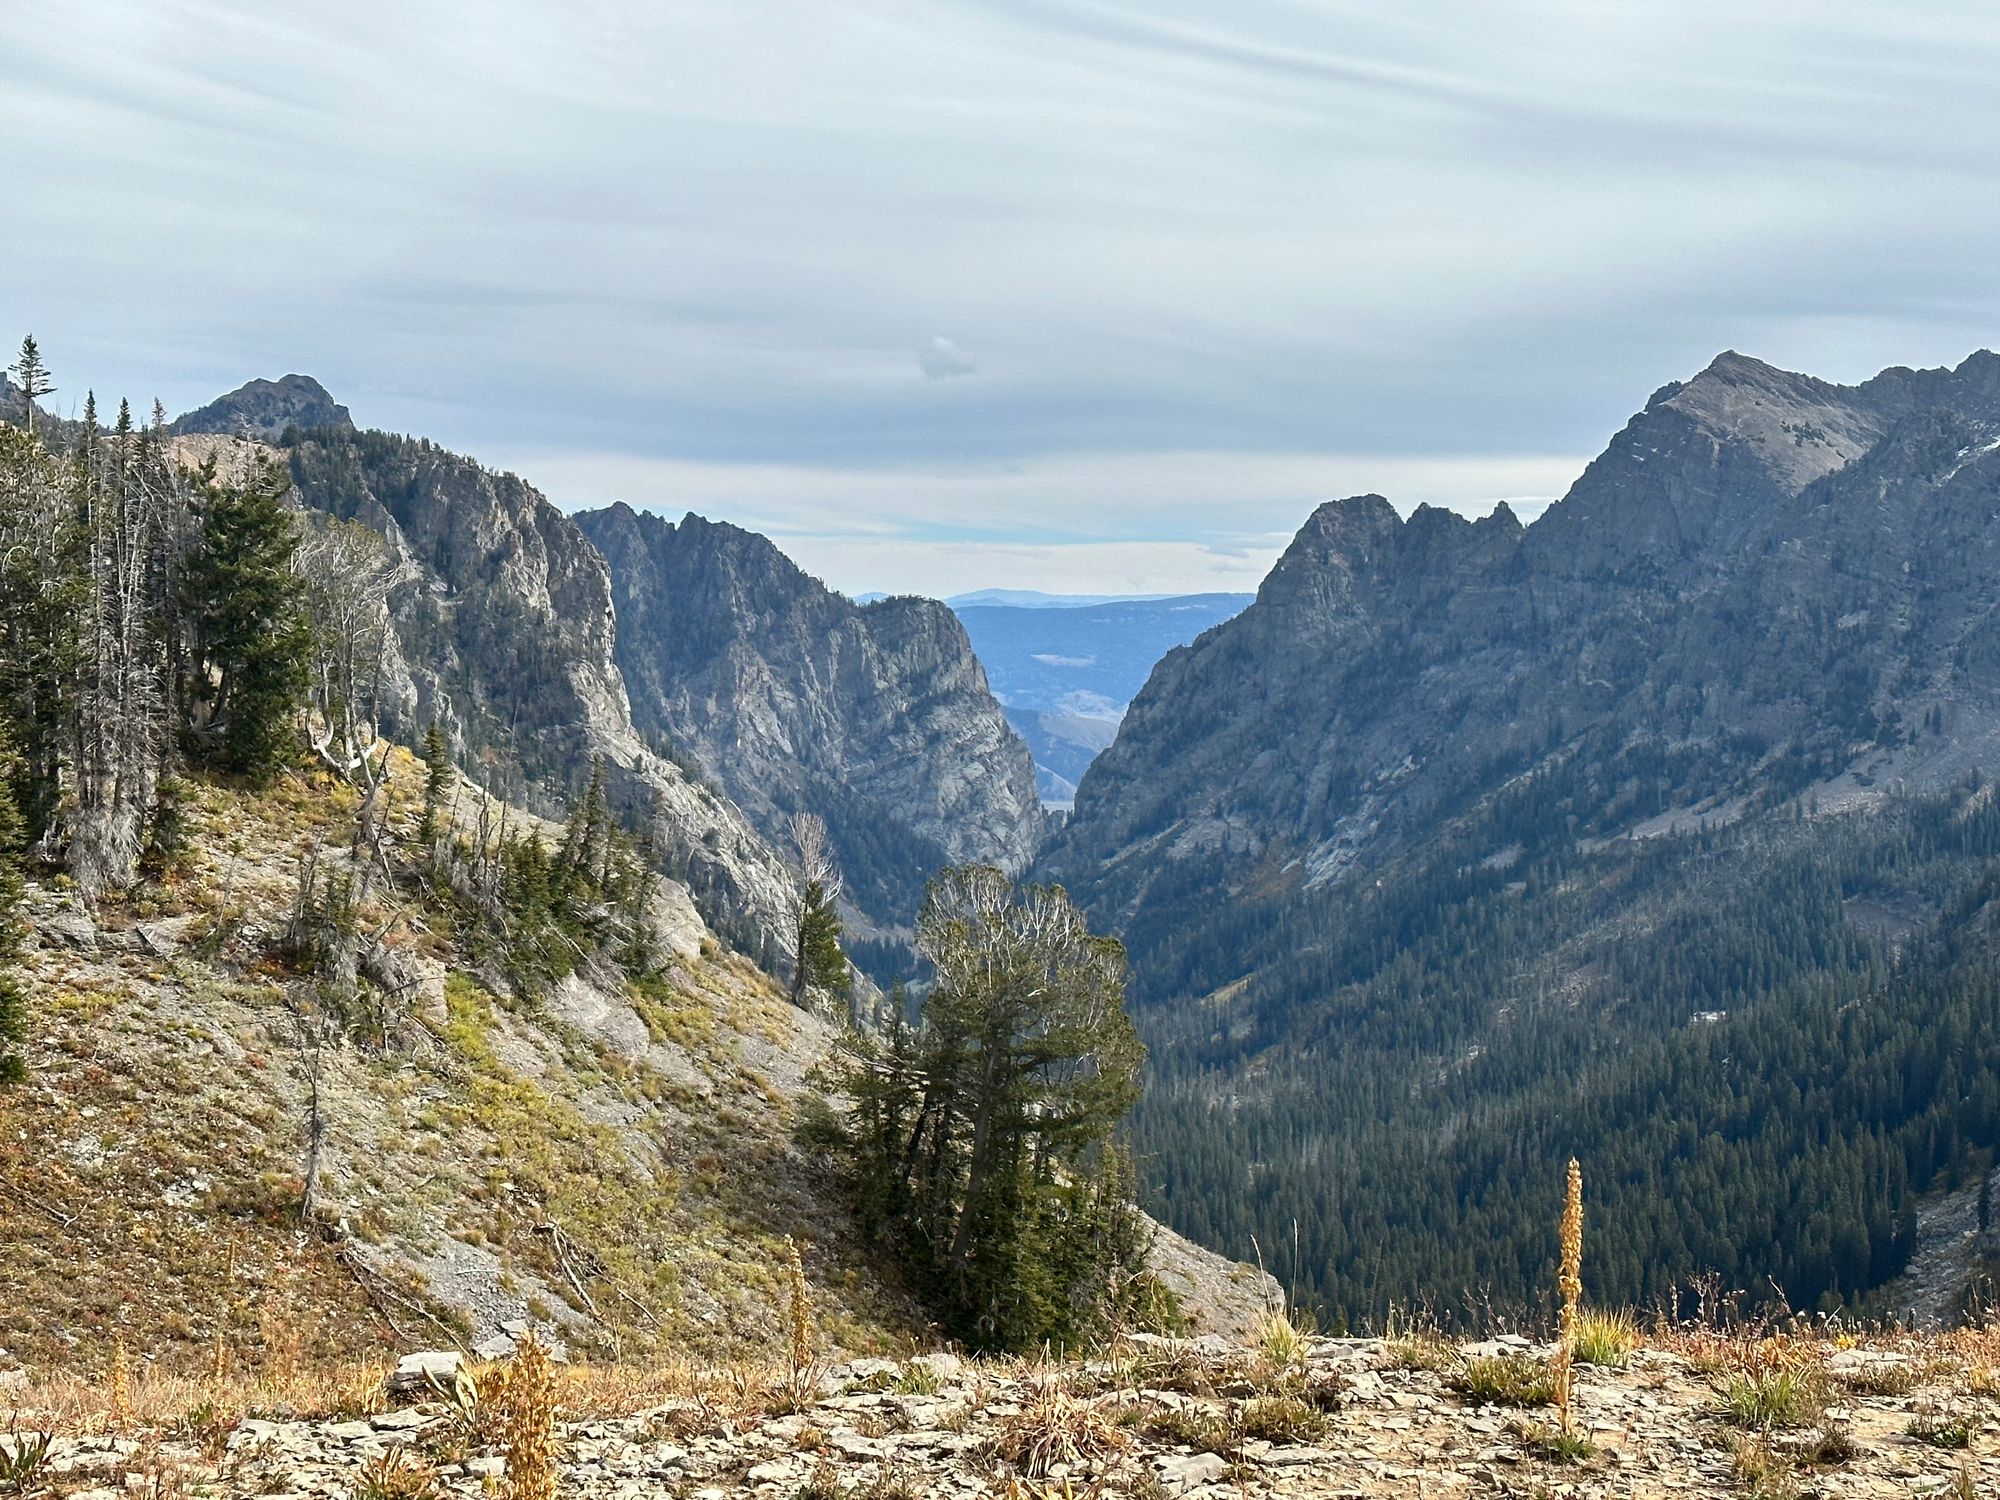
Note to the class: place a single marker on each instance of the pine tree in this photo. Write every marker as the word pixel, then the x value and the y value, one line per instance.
pixel 821 965
pixel 41 605
pixel 437 781
pixel 32 376
pixel 982 1139
pixel 251 642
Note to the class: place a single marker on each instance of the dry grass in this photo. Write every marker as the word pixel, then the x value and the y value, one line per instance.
pixel 397 1475
pixel 81 1404
pixel 1282 1341
pixel 1056 1427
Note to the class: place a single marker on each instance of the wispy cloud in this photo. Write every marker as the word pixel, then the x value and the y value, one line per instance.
pixel 941 359
pixel 719 235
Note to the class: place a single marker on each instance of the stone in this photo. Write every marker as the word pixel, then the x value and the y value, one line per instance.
pixel 429 1371
pixel 1179 1474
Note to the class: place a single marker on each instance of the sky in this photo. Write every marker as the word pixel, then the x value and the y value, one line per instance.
pixel 1075 295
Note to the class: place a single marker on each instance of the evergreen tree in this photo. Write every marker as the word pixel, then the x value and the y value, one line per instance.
pixel 437 781
pixel 32 377
pixel 982 1136
pixel 251 641
pixel 821 964
pixel 41 606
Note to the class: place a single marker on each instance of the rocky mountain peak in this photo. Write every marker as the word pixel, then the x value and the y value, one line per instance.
pixel 265 408
pixel 877 718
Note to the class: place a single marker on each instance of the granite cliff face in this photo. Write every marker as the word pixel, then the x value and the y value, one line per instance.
pixel 1761 582
pixel 504 633
pixel 265 408
pixel 875 716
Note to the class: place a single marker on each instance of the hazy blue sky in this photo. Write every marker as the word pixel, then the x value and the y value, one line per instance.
pixel 1042 293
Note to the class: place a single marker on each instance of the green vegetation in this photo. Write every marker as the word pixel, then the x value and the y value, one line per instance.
pixel 1763 1083
pixel 1505 1380
pixel 248 643
pixel 981 1136
pixel 1764 1399
pixel 1605 1339
pixel 820 965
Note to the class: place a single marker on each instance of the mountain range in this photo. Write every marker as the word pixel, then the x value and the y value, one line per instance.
pixel 1659 833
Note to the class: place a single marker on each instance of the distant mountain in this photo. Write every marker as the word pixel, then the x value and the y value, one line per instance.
pixel 877 717
pixel 265 408
pixel 1035 599
pixel 1066 673
pixel 1660 832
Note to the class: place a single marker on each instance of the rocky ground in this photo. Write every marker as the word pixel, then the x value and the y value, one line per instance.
pixel 1329 1417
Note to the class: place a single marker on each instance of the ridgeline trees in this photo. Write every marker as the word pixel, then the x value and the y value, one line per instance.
pixel 982 1133
pixel 32 376
pixel 149 615
pixel 250 643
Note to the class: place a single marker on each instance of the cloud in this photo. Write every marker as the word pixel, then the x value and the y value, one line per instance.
pixel 941 359
pixel 1167 522
pixel 701 233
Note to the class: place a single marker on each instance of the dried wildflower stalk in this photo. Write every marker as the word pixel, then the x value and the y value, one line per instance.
pixel 798 1311
pixel 531 1424
pixel 121 1386
pixel 1570 1284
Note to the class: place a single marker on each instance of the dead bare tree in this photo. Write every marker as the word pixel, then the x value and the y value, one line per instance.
pixel 345 571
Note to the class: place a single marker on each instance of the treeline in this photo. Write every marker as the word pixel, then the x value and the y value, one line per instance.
pixel 1764 1043
pixel 150 619
pixel 160 621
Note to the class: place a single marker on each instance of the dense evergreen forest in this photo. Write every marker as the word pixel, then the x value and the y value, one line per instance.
pixel 1764 1042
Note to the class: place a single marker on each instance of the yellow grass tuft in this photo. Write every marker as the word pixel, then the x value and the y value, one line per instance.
pixel 1055 1427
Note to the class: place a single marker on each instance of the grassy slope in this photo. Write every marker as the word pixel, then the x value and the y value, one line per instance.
pixel 614 1162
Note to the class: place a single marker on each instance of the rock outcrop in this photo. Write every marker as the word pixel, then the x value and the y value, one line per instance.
pixel 264 409
pixel 1357 1419
pixel 505 634
pixel 1469 845
pixel 1763 571
pixel 877 717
